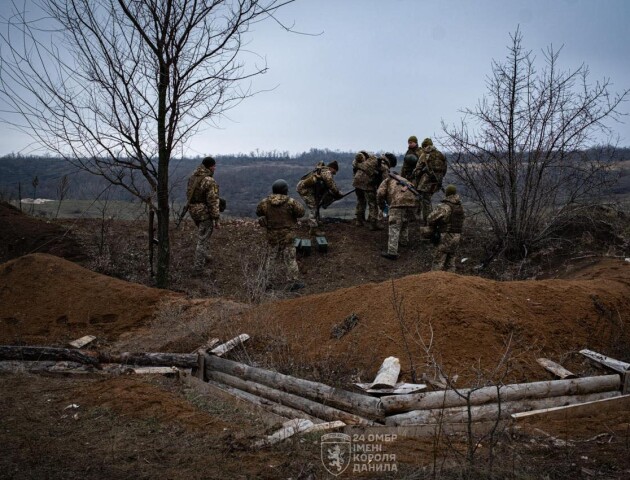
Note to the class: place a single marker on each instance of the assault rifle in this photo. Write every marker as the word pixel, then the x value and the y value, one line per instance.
pixel 406 184
pixel 181 216
pixel 328 199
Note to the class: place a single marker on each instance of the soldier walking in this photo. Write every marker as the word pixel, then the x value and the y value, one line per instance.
pixel 368 174
pixel 279 214
pixel 428 175
pixel 203 206
pixel 313 187
pixel 448 218
pixel 403 203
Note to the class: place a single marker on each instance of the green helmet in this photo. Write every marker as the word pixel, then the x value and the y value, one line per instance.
pixel 280 186
pixel 450 190
pixel 391 159
pixel 410 159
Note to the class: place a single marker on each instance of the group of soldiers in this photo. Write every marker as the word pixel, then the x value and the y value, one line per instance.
pixel 404 199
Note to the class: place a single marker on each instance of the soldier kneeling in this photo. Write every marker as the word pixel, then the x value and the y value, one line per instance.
pixel 280 214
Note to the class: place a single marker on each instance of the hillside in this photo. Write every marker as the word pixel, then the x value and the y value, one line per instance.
pixel 477 330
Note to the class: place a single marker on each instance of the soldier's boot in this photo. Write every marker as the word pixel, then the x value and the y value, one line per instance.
pixel 389 256
pixel 374 226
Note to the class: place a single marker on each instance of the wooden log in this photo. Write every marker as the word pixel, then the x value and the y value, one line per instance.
pixel 491 411
pixel 616 365
pixel 555 368
pixel 155 371
pixel 200 370
pixel 156 359
pixel 13 352
pixel 322 427
pixel 229 345
pixel 215 395
pixel 398 389
pixel 312 408
pixel 46 366
pixel 387 375
pixel 613 404
pixel 206 346
pixel 265 404
pixel 82 342
pixel 519 391
pixel 288 429
pixel 363 405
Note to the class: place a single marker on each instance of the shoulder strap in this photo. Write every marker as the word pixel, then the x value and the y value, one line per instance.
pixel 196 184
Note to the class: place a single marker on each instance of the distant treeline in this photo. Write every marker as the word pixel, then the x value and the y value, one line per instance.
pixel 243 179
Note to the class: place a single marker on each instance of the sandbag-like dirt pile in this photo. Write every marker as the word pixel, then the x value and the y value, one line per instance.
pixel 21 234
pixel 466 321
pixel 48 300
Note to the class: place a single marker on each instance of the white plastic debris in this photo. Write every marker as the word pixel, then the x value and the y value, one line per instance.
pixel 72 405
pixel 464 259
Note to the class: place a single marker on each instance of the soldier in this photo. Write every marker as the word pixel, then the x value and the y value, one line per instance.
pixel 313 187
pixel 402 204
pixel 428 175
pixel 203 206
pixel 448 219
pixel 411 157
pixel 279 214
pixel 368 174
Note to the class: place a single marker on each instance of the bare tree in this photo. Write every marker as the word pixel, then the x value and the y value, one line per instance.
pixel 117 87
pixel 62 192
pixel 523 153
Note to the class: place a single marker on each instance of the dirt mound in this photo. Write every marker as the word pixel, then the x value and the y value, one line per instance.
pixel 466 321
pixel 21 235
pixel 48 300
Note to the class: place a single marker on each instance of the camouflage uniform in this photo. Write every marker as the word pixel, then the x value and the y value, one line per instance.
pixel 449 216
pixel 402 204
pixel 203 206
pixel 281 214
pixel 428 174
pixel 367 175
pixel 309 189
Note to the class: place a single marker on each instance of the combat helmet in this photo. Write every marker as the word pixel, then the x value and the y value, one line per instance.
pixel 391 159
pixel 280 186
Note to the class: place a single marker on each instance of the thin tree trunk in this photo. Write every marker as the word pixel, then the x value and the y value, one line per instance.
pixel 163 210
pixel 151 234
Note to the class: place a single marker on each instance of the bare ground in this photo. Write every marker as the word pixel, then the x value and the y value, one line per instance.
pixel 160 428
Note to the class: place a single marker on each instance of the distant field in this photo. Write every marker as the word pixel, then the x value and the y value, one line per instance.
pixel 86 209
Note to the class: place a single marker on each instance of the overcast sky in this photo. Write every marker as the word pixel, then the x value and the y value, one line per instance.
pixel 382 70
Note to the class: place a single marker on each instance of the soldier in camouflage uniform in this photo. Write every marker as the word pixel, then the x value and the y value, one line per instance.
pixel 410 159
pixel 203 206
pixel 368 174
pixel 428 174
pixel 448 216
pixel 313 186
pixel 402 205
pixel 279 214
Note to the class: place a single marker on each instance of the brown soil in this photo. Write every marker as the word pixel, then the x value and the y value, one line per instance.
pixel 47 300
pixel 157 428
pixel 21 234
pixel 471 320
